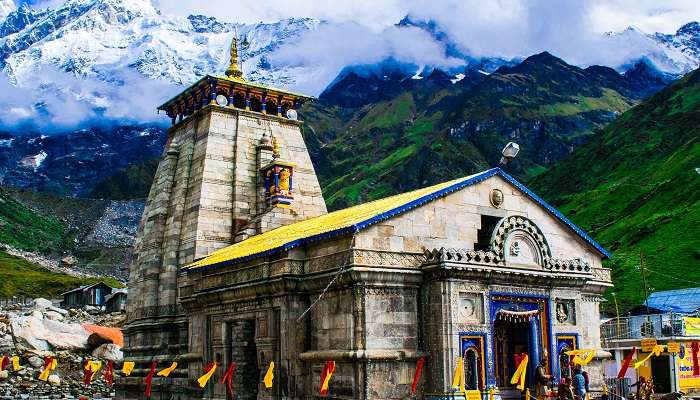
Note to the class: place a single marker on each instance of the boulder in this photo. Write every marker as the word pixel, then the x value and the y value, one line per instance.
pixel 108 351
pixel 41 304
pixel 53 315
pixel 58 310
pixel 4 375
pixel 37 314
pixel 54 380
pixel 45 334
pixel 35 362
pixel 92 309
pixel 6 341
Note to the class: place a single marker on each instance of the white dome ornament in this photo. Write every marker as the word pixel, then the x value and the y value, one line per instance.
pixel 292 114
pixel 221 100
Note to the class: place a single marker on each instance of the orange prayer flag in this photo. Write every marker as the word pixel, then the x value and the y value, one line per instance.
pixel 326 374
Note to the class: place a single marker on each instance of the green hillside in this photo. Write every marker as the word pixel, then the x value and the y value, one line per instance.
pixel 635 188
pixel 435 130
pixel 26 229
pixel 19 277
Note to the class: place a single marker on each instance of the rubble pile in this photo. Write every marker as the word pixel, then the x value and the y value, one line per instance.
pixel 73 336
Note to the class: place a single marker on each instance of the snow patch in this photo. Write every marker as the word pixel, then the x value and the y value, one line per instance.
pixel 35 161
pixel 457 78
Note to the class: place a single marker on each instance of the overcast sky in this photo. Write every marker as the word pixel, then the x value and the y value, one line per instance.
pixel 598 15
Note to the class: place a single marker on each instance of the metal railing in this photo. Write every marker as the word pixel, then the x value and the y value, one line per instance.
pixel 644 326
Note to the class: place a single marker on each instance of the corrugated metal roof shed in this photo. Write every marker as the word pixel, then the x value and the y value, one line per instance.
pixel 680 300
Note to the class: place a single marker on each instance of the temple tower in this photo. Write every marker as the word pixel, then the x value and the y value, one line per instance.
pixel 234 165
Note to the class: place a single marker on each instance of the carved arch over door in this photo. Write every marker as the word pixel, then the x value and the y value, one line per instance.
pixel 516 234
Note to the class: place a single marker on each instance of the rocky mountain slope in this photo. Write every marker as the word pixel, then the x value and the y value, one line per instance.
pixel 414 132
pixel 636 188
pixel 72 163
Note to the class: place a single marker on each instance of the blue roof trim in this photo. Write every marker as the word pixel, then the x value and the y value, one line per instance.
pixel 556 213
pixel 413 204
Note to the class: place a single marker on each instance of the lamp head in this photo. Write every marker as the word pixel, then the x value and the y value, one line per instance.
pixel 509 152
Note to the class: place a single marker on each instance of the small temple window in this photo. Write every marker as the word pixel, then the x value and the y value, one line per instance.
pixel 488 224
pixel 255 104
pixel 239 100
pixel 271 107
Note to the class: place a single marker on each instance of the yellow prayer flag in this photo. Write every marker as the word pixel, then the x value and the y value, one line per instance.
pixel 128 367
pixel 94 367
pixel 168 370
pixel 458 379
pixel 15 364
pixel 578 360
pixel 656 351
pixel 269 375
pixel 44 376
pixel 205 378
pixel 519 375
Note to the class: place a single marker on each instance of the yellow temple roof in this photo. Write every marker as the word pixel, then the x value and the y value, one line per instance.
pixel 354 219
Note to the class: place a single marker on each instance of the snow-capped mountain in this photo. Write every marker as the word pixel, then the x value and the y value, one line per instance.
pixel 92 38
pixel 676 53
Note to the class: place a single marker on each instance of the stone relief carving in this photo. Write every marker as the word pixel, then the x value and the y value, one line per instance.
pixel 565 312
pixel 470 307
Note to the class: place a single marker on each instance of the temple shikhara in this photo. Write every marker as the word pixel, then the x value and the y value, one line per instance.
pixel 237 260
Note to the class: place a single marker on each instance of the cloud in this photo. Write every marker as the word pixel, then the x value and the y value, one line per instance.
pixel 334 46
pixel 58 100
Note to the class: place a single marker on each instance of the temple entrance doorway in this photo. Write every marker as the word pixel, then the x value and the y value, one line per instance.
pixel 512 343
pixel 520 328
pixel 244 353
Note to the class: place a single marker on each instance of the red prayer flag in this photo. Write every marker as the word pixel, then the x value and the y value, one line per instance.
pixel 87 377
pixel 149 379
pixel 4 363
pixel 416 377
pixel 109 373
pixel 626 363
pixel 228 378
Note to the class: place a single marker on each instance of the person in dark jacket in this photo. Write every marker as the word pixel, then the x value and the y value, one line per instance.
pixel 564 390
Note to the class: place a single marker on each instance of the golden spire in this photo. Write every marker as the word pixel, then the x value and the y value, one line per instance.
pixel 233 70
pixel 275 148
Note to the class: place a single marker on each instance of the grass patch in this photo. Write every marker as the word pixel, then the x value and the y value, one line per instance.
pixel 19 277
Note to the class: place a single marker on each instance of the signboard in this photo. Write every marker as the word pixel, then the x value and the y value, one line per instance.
pixel 648 345
pixel 687 380
pixel 692 326
pixel 473 395
pixel 673 347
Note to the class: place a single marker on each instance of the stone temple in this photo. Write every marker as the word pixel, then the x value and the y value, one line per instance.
pixel 238 260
